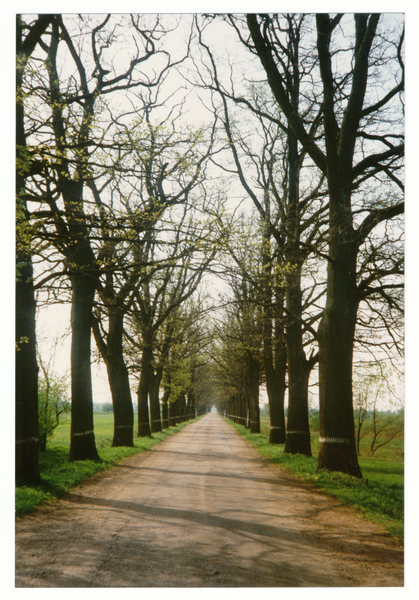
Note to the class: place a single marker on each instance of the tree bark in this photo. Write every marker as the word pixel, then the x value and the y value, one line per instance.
pixel 26 459
pixel 337 447
pixel 275 387
pixel 142 394
pixel 26 365
pixel 275 365
pixel 182 408
pixel 173 412
pixel 254 410
pixel 253 391
pixel 119 383
pixel 298 431
pixel 165 409
pixel 155 413
pixel 82 438
pixel 243 409
pixel 191 405
pixel 43 442
pixel 274 350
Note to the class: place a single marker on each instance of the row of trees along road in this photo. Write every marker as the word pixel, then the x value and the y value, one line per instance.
pixel 98 176
pixel 334 99
pixel 116 206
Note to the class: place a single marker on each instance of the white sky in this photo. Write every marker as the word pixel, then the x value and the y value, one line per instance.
pixel 7 248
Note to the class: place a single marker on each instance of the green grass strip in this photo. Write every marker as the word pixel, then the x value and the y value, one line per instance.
pixel 381 501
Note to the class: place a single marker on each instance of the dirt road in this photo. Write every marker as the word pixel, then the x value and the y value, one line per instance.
pixel 201 509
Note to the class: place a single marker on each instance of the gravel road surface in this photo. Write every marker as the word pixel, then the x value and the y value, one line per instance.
pixel 201 509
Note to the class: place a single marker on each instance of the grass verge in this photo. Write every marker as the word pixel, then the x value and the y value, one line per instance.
pixel 59 475
pixel 381 501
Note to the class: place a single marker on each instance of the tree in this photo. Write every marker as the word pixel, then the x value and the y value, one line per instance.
pixel 273 331
pixel 379 410
pixel 53 403
pixel 26 463
pixel 238 349
pixel 353 152
pixel 293 212
pixel 380 318
pixel 293 218
pixel 186 244
pixel 250 262
pixel 66 150
pixel 208 392
pixel 158 167
pixel 53 400
pixel 179 353
pixel 360 417
pixel 385 427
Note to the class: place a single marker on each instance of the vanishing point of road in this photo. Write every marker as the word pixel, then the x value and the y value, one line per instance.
pixel 202 509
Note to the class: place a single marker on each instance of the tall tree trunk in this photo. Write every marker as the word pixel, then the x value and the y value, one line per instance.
pixel 337 448
pixel 191 405
pixel 277 433
pixel 155 413
pixel 298 431
pixel 253 391
pixel 274 350
pixel 119 383
pixel 26 366
pixel 342 125
pixel 142 393
pixel 275 387
pixel 173 412
pixel 43 442
pixel 75 236
pixel 275 365
pixel 254 409
pixel 82 437
pixel 165 409
pixel 26 459
pixel 243 402
pixel 182 408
